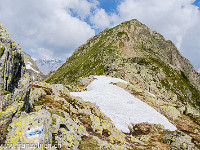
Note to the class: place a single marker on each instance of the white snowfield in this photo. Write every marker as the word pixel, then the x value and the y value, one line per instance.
pixel 118 104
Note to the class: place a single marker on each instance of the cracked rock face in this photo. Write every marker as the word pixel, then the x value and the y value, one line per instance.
pixel 14 83
pixel 11 61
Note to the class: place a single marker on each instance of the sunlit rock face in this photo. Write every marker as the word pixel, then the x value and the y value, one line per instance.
pixel 11 61
pixel 14 83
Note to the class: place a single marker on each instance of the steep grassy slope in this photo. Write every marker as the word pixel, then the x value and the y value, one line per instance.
pixel 143 57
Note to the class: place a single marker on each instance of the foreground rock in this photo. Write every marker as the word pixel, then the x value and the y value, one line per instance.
pixel 179 140
pixel 14 83
pixel 67 122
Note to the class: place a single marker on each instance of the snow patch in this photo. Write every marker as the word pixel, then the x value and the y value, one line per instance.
pixel 118 104
pixel 152 94
pixel 28 66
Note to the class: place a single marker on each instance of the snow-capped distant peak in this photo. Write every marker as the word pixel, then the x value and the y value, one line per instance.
pixel 34 59
pixel 46 65
pixel 118 104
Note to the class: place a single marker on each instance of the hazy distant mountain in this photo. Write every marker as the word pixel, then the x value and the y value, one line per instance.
pixel 48 65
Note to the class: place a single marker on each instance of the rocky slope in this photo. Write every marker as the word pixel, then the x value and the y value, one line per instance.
pixel 31 68
pixel 133 52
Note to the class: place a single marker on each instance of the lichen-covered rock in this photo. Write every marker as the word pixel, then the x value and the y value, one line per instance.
pixel 11 61
pixel 35 95
pixel 14 83
pixel 145 128
pixel 107 129
pixel 59 89
pixel 144 138
pixel 54 89
pixel 179 140
pixel 31 128
pixel 106 145
pixel 189 110
pixel 13 103
pixel 70 132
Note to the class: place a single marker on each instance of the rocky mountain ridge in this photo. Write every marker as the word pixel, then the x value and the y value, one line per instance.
pixel 133 52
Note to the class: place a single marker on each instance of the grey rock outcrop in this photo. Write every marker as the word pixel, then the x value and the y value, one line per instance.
pixel 14 82
pixel 12 66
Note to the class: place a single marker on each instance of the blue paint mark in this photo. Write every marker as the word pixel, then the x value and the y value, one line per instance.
pixel 35 132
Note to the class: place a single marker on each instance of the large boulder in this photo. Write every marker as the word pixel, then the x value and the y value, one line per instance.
pixel 30 128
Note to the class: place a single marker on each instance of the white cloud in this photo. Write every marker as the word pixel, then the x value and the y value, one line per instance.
pixel 43 53
pixel 47 24
pixel 100 19
pixel 82 7
pixel 177 20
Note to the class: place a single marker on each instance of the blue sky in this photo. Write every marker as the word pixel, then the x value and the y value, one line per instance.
pixel 109 5
pixel 197 3
pixel 53 29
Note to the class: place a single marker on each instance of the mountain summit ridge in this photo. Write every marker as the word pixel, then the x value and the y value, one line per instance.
pixel 133 52
pixel 133 39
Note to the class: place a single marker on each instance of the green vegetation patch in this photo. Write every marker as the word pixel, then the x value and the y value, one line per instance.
pixel 177 82
pixel 84 62
pixel 3 133
pixel 121 34
pixel 139 61
pixel 88 143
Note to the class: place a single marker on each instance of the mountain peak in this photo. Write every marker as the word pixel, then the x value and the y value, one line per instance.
pixel 132 39
pixel 135 53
